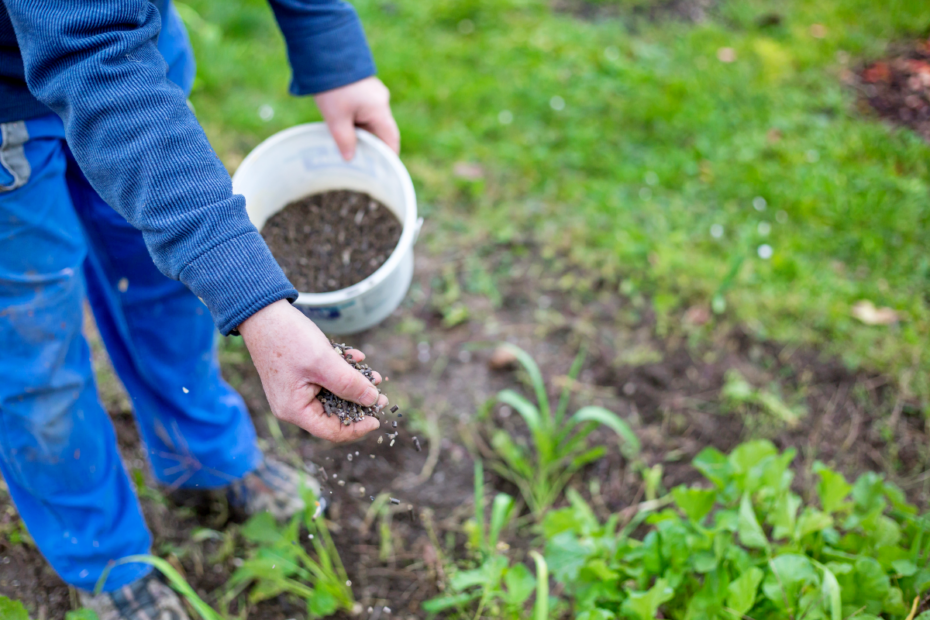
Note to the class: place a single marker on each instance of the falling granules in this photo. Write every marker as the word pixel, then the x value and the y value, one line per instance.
pixel 347 411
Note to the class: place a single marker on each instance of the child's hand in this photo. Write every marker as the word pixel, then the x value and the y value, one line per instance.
pixel 364 104
pixel 294 359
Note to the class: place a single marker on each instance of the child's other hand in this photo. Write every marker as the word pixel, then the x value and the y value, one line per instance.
pixel 364 104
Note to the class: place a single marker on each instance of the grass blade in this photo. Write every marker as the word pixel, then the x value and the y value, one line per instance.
pixel 566 394
pixel 174 578
pixel 541 609
pixel 536 379
pixel 479 502
pixel 501 510
pixel 527 410
pixel 630 445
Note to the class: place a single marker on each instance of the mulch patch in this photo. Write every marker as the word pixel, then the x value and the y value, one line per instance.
pixel 666 388
pixel 898 87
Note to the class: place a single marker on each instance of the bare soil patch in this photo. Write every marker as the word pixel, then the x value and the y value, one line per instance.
pixel 898 87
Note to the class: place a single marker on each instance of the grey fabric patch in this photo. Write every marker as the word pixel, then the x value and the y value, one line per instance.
pixel 12 155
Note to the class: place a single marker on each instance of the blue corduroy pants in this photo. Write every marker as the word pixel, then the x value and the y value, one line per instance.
pixel 60 245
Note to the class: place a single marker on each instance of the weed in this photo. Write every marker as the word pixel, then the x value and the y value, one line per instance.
pixel 279 564
pixel 496 585
pixel 559 443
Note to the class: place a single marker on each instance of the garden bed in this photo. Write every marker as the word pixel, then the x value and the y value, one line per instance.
pixel 668 391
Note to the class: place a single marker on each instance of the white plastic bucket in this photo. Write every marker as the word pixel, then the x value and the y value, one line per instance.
pixel 304 160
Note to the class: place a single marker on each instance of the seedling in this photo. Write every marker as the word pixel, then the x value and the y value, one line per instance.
pixel 495 584
pixel 559 443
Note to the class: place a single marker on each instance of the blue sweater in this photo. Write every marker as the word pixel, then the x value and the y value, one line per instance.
pixel 97 65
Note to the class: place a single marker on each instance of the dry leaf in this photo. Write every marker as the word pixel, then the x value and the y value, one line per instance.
pixel 866 312
pixel 502 359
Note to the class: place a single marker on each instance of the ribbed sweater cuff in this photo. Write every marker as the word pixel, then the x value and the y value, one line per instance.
pixel 236 279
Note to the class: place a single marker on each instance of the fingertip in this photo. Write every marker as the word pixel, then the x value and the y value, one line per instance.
pixel 375 377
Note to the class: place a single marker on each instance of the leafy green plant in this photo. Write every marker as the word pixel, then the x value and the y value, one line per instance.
pixel 559 442
pixel 279 564
pixel 494 583
pixel 747 546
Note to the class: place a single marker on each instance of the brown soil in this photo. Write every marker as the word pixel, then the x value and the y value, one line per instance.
pixel 330 241
pixel 898 87
pixel 668 389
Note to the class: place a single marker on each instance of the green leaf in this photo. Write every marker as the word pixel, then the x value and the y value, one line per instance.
pixel 904 568
pixel 832 488
pixel 532 369
pixel 741 593
pixel 566 394
pixel 441 603
pixel 566 555
pixel 715 466
pixel 12 610
pixel 261 529
pixel 784 516
pixel 694 502
pixel 894 603
pixel 501 511
pixel 645 605
pixel 520 584
pixel 513 454
pixel 322 603
pixel 869 492
pixel 464 579
pixel 527 410
pixel 831 593
pixel 871 581
pixel 812 521
pixel 630 446
pixel 789 574
pixel 749 530
pixel 541 609
pixel 77 614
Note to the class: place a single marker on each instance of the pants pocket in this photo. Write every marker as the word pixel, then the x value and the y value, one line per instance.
pixel 15 167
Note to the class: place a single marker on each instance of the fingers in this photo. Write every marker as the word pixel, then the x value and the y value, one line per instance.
pixel 342 127
pixel 384 126
pixel 355 354
pixel 346 382
pixel 330 428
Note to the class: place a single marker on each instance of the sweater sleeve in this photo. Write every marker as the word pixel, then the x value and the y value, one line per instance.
pixel 325 44
pixel 97 66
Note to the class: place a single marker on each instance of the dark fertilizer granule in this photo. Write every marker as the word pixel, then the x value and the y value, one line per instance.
pixel 329 241
pixel 347 411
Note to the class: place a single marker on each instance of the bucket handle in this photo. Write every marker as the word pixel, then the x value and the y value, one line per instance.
pixel 416 229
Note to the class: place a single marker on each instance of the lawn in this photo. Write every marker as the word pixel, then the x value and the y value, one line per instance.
pixel 757 186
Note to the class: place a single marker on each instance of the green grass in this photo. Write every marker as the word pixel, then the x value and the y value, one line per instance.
pixel 657 142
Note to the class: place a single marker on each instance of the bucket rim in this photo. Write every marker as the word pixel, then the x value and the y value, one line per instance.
pixel 410 224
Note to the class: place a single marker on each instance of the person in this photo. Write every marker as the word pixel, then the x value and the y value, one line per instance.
pixel 110 192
